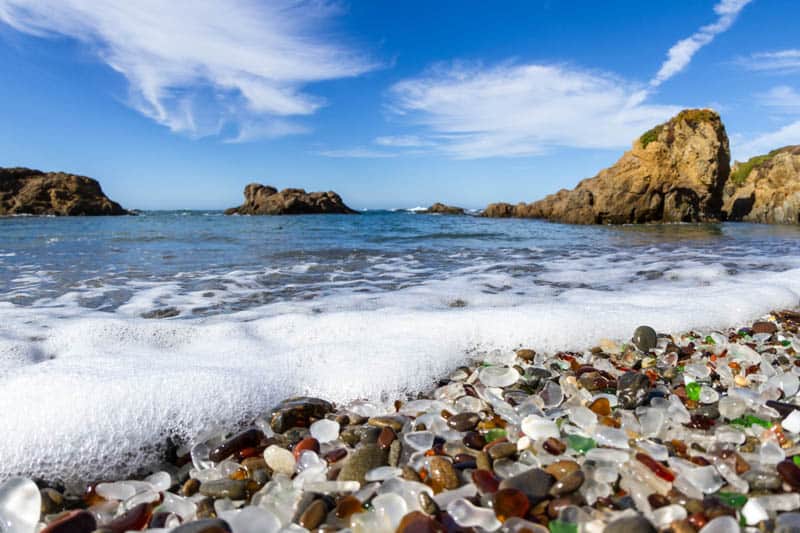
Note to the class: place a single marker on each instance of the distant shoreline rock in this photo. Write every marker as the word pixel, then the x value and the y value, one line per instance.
pixel 265 200
pixel 24 191
pixel 765 188
pixel 674 172
pixel 442 209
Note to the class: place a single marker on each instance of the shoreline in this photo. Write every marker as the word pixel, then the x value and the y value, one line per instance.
pixel 692 433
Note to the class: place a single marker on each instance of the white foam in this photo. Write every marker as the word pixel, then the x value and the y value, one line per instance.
pixel 86 394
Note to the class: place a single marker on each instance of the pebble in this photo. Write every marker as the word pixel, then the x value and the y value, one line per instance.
pixel 324 430
pixel 78 521
pixel 280 459
pixel 442 474
pixel 463 421
pixel 508 503
pixel 630 524
pixel 535 483
pixel 208 525
pixel 298 412
pixel 313 515
pixel 20 505
pixel 247 439
pixel 632 388
pixel 225 488
pixel 645 338
pixel 361 461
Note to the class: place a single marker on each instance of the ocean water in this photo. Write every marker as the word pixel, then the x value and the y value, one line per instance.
pixel 118 332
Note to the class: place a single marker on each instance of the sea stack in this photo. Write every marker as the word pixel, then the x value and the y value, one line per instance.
pixel 443 209
pixel 674 172
pixel 265 200
pixel 24 191
pixel 765 188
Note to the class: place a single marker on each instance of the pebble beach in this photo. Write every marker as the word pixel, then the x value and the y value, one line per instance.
pixel 686 432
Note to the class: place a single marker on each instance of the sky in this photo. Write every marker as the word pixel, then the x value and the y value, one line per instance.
pixel 180 104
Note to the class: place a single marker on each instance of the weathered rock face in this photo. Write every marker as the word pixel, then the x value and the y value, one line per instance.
pixel 766 188
pixel 32 192
pixel 265 200
pixel 673 173
pixel 442 209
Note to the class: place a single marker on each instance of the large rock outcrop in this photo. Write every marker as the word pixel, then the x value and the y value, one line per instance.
pixel 765 188
pixel 33 192
pixel 673 173
pixel 442 209
pixel 265 200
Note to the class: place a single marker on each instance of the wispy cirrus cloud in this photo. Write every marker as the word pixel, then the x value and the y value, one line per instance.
pixel 510 109
pixel 203 66
pixel 780 61
pixel 356 153
pixel 681 53
pixel 782 97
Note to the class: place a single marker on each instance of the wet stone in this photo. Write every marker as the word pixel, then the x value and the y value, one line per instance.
pixel 790 473
pixel 509 503
pixel 535 483
pixel 474 440
pixel 394 422
pixel 418 522
pixel 72 522
pixel 632 388
pixel 464 421
pixel 442 475
pixel 209 525
pixel 52 501
pixel 502 450
pixel 313 515
pixel 486 481
pixel 561 469
pixel 361 461
pixel 764 327
pixel 307 444
pixel 298 412
pixel 427 503
pixel 554 446
pixel 630 524
pixel 225 488
pixel 247 439
pixel 601 406
pixel 645 338
pixel 567 484
pixel 386 437
pixel 348 506
pixel 132 520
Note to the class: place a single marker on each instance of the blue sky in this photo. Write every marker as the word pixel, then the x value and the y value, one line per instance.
pixel 392 104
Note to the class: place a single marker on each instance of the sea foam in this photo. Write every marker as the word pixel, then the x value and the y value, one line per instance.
pixel 89 395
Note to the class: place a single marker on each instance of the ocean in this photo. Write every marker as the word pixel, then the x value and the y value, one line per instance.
pixel 117 332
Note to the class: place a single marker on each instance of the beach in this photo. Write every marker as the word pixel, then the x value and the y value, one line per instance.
pixel 697 431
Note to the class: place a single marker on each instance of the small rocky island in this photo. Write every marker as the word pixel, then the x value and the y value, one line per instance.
pixel 673 173
pixel 265 200
pixel 442 209
pixel 24 191
pixel 765 188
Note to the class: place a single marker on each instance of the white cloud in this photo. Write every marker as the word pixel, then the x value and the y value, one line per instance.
pixel 781 97
pixel 761 144
pixel 513 109
pixel 402 141
pixel 781 61
pixel 204 66
pixel 356 153
pixel 681 53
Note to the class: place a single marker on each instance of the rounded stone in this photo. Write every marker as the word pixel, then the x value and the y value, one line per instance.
pixel 442 474
pixel 630 524
pixel 313 515
pixel 645 338
pixel 509 503
pixel 72 522
pixel 463 421
pixel 361 461
pixel 207 525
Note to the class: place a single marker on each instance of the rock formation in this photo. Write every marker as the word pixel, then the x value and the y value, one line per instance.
pixel 765 188
pixel 33 192
pixel 265 200
pixel 442 209
pixel 673 173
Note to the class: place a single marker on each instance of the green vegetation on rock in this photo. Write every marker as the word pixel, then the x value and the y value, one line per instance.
pixel 742 170
pixel 650 135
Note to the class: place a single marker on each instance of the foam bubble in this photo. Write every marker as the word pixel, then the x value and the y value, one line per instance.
pixel 88 394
